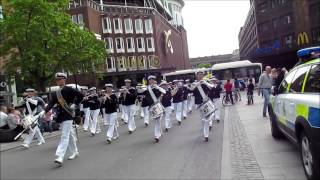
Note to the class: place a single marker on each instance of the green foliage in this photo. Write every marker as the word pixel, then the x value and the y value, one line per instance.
pixel 41 39
pixel 204 65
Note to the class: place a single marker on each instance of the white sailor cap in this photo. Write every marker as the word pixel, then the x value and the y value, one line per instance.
pixel 30 90
pixel 200 71
pixel 213 79
pixel 174 81
pixel 127 80
pixel 187 80
pixel 108 85
pixel 139 84
pixel 181 80
pixel 60 75
pixel 123 87
pixel 152 77
pixel 163 83
pixel 92 89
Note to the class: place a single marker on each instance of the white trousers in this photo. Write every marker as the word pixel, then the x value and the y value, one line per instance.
pixel 157 127
pixel 112 130
pixel 124 114
pixel 105 119
pixel 217 105
pixel 205 124
pixel 95 126
pixel 35 132
pixel 68 139
pixel 87 119
pixel 130 111
pixel 190 103
pixel 146 114
pixel 184 108
pixel 141 113
pixel 178 110
pixel 168 112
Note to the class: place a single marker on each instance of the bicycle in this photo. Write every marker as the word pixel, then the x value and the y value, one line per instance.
pixel 226 100
pixel 237 95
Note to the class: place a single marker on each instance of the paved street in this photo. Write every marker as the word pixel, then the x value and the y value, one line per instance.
pixel 240 147
pixel 181 154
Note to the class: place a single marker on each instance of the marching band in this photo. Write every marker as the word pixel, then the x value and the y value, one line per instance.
pixel 153 101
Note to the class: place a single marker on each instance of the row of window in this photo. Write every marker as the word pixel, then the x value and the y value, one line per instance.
pixel 131 44
pixel 128 25
pixel 276 23
pixel 264 6
pixel 123 63
pixel 77 18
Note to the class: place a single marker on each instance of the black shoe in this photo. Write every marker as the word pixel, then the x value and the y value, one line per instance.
pixel 125 122
pixel 130 132
pixel 166 130
pixel 157 140
pixel 179 123
pixel 210 128
pixel 146 124
pixel 206 139
pixel 93 134
pixel 108 141
pixel 190 112
pixel 184 118
pixel 218 120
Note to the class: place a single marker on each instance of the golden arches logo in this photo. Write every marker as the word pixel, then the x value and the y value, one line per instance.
pixel 303 38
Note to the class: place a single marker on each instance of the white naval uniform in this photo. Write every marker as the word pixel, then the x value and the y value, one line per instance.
pixel 68 139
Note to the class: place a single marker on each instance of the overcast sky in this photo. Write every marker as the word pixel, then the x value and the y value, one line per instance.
pixel 213 25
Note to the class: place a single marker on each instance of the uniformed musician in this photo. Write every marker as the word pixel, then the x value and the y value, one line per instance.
pixel 214 95
pixel 166 103
pixel 110 109
pixel 199 100
pixel 94 105
pixel 185 95
pixel 190 96
pixel 86 109
pixel 129 99
pixel 32 106
pixel 65 117
pixel 177 94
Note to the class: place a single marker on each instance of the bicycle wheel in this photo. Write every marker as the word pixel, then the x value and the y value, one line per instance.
pixel 239 95
pixel 224 101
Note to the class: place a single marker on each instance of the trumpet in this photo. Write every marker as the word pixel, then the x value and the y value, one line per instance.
pixel 175 90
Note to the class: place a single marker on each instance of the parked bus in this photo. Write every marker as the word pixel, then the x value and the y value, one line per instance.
pixel 182 74
pixel 238 69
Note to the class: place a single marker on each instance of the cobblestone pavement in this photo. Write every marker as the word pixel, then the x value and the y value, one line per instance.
pixel 243 162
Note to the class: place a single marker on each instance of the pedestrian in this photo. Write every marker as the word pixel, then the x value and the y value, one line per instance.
pixel 33 105
pixel 281 73
pixel 214 95
pixel 250 89
pixel 200 90
pixel 265 84
pixel 110 109
pixel 177 97
pixel 153 93
pixel 166 103
pixel 228 88
pixel 63 97
pixel 129 99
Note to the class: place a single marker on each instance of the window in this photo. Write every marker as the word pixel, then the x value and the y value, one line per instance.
pixel 275 23
pixel 132 63
pixel 288 79
pixel 106 25
pixel 298 79
pixel 117 25
pixel 80 19
pixel 264 27
pixel 154 62
pixel 140 45
pixel 262 8
pixel 313 81
pixel 111 64
pixel 1 12
pixel 273 3
pixel 109 44
pixel 316 35
pixel 288 40
pixel 148 26
pixel 139 26
pixel 128 25
pixel 121 63
pixel 130 44
pixel 75 18
pixel 142 62
pixel 120 45
pixel 286 19
pixel 150 44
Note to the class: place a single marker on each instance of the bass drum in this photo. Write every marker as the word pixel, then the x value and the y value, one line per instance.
pixel 207 108
pixel 156 110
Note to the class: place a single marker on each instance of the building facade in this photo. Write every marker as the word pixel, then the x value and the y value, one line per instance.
pixel 195 62
pixel 276 29
pixel 141 38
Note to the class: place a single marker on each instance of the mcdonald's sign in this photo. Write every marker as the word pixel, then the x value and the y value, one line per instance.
pixel 303 38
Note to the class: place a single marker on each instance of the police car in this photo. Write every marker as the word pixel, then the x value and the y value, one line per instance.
pixel 295 111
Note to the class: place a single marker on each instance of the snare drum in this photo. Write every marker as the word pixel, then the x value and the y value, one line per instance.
pixel 156 110
pixel 207 108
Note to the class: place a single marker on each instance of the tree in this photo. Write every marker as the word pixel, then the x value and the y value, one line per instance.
pixel 41 39
pixel 204 65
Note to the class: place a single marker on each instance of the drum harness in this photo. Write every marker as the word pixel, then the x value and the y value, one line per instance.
pixel 153 96
pixel 205 98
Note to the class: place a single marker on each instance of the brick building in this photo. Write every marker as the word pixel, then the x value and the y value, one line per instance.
pixel 275 29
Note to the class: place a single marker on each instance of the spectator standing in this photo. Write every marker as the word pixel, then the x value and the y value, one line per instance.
pixel 228 88
pixel 250 89
pixel 265 84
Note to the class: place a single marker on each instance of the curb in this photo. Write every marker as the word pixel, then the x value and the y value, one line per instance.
pixel 225 160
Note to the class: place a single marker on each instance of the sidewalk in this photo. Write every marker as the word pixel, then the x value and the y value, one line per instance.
pixel 249 150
